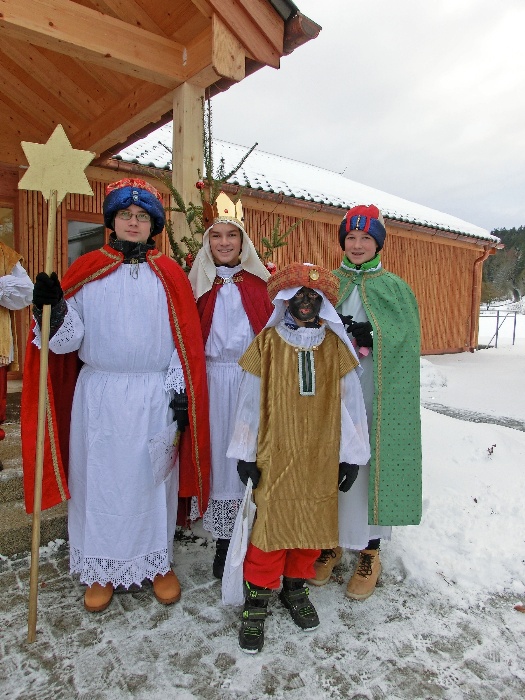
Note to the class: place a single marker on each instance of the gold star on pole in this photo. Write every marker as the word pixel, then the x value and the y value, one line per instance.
pixel 55 165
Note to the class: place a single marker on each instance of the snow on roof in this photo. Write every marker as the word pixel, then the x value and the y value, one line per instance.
pixel 271 173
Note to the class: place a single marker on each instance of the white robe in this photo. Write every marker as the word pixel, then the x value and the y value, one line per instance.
pixel 16 292
pixel 354 530
pixel 121 526
pixel 230 335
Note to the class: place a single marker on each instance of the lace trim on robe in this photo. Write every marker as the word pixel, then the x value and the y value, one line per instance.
pixel 219 517
pixel 301 337
pixel 119 573
pixel 63 335
pixel 175 375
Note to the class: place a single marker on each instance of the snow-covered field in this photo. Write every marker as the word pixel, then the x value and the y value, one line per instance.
pixel 442 624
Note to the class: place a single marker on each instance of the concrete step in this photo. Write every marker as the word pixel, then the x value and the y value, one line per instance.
pixel 16 527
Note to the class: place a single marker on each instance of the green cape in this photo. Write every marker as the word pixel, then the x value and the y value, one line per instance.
pixel 395 435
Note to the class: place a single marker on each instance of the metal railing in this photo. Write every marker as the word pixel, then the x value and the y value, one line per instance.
pixel 501 317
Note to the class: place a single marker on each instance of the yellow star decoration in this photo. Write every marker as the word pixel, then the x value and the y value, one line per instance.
pixel 55 165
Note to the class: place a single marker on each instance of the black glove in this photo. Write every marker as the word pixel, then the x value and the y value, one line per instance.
pixel 347 321
pixel 347 475
pixel 362 333
pixel 248 470
pixel 47 290
pixel 179 404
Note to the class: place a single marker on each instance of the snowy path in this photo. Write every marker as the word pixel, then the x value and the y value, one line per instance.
pixel 406 642
pixel 474 416
pixel 441 626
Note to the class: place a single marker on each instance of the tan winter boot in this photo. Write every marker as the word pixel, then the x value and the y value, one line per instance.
pixel 166 588
pixel 325 564
pixel 363 582
pixel 97 597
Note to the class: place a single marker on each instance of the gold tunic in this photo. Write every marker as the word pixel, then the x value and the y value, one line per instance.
pixel 298 443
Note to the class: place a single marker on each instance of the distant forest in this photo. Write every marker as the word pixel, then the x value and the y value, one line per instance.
pixel 504 273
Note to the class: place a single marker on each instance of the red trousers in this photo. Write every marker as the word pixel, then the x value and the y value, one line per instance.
pixel 266 568
pixel 3 397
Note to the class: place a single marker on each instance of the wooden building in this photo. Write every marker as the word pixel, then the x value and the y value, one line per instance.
pixel 439 255
pixel 110 71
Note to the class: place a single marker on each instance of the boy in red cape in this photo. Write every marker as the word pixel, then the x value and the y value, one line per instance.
pixel 131 324
pixel 229 283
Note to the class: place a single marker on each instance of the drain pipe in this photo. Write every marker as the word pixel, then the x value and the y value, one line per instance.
pixel 474 307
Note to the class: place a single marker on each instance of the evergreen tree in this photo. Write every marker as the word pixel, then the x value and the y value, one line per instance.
pixel 504 273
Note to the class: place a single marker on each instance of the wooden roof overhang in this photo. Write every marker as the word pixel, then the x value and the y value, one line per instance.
pixel 107 70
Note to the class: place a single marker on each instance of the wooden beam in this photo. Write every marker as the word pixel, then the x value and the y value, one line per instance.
pixel 256 25
pixel 268 20
pixel 187 148
pixel 72 29
pixel 213 54
pixel 204 8
pixel 228 57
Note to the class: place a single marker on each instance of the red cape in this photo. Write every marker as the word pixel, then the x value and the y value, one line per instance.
pixel 254 297
pixel 63 371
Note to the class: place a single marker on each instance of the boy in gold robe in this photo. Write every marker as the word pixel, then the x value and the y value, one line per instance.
pixel 300 434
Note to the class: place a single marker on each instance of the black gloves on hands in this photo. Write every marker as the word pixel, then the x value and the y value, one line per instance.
pixel 47 290
pixel 361 330
pixel 248 470
pixel 362 333
pixel 347 475
pixel 347 321
pixel 179 404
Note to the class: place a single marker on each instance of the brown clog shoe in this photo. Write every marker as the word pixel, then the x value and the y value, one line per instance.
pixel 166 588
pixel 97 597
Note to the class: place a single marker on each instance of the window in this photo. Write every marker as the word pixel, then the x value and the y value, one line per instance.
pixel 83 237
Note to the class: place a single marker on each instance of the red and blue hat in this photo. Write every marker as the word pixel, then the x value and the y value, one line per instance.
pixel 124 193
pixel 363 218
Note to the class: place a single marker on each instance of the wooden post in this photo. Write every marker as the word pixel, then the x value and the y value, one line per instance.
pixel 42 402
pixel 188 150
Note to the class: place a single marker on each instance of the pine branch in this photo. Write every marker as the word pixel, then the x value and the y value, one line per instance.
pixel 277 239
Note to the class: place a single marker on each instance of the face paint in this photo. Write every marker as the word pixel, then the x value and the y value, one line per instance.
pixel 305 305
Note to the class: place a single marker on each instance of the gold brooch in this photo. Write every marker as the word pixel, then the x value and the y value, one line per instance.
pixel 314 275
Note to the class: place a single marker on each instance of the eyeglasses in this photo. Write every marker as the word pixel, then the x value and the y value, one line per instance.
pixel 127 215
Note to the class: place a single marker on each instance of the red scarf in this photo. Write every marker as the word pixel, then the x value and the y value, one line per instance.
pixel 254 297
pixel 63 372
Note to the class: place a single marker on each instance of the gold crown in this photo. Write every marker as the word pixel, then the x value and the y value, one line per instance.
pixel 224 209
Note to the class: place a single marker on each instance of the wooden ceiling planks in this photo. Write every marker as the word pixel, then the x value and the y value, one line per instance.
pixel 106 69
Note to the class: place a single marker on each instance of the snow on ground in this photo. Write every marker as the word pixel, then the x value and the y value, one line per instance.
pixel 441 625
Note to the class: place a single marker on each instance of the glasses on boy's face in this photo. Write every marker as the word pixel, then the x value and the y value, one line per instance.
pixel 127 215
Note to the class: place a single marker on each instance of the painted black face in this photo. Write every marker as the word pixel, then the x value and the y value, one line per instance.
pixel 305 305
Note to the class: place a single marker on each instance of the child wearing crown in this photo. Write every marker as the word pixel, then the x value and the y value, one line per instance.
pixel 229 284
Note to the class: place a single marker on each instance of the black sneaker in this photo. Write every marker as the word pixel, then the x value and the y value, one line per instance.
pixel 294 596
pixel 251 633
pixel 221 550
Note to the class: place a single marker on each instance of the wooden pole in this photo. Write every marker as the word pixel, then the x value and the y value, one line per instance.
pixel 42 402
